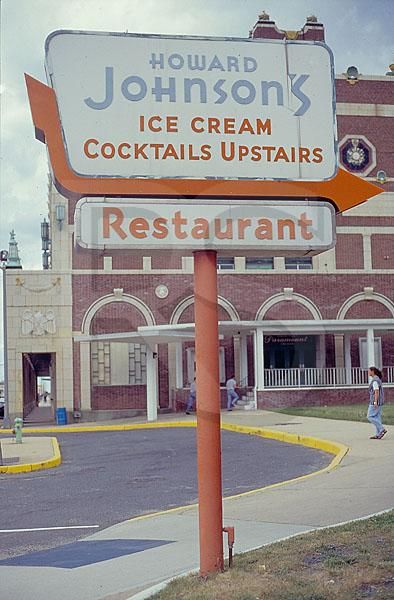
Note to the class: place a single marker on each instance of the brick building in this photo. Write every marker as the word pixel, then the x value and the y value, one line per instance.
pixel 111 329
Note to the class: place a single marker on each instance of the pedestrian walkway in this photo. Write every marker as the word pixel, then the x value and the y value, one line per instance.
pixel 123 560
pixel 40 414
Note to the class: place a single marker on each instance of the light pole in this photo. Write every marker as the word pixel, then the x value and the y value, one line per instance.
pixel 3 266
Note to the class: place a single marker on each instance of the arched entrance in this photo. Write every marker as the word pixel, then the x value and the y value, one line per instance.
pixel 117 368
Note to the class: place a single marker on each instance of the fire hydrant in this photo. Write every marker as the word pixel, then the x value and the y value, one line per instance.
pixel 18 423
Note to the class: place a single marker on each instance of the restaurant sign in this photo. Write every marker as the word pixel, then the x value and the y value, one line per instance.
pixel 266 227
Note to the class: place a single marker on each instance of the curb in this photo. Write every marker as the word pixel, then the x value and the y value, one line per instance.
pixel 50 463
pixel 87 428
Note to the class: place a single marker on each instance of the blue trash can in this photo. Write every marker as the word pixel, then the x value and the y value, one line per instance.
pixel 61 416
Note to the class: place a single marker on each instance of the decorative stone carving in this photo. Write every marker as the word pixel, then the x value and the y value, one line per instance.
pixel 37 323
pixel 161 291
pixel 38 290
pixel 288 293
pixel 118 292
pixel 357 154
pixel 368 293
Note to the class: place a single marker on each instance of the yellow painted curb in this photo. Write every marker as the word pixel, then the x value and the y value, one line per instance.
pixel 339 450
pixel 54 461
pixel 87 428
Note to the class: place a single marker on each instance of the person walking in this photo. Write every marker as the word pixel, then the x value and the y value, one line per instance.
pixel 232 396
pixel 192 397
pixel 376 400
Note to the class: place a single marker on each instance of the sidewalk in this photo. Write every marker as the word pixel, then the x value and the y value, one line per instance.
pixel 166 544
pixel 33 454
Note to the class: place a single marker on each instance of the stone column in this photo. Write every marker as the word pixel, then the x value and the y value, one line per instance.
pixel 244 359
pixel 370 347
pixel 84 362
pixel 237 352
pixel 178 365
pixel 259 358
pixel 152 396
pixel 367 251
pixel 348 357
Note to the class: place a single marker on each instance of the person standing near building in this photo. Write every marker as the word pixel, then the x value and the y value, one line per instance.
pixel 376 399
pixel 232 396
pixel 192 397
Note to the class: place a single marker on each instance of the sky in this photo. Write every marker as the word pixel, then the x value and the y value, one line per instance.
pixel 358 31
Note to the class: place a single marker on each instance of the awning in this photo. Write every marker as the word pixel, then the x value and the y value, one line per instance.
pixel 183 332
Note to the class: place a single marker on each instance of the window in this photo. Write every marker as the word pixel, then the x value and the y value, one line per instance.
pixel 259 263
pixel 299 263
pixel 226 263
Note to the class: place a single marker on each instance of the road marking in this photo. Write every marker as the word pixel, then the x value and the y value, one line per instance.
pixel 49 528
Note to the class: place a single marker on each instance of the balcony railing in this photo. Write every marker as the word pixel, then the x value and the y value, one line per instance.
pixel 322 377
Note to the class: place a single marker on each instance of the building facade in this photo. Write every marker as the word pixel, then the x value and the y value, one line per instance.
pixel 111 329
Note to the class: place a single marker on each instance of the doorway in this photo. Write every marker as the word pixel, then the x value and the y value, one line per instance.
pixel 39 386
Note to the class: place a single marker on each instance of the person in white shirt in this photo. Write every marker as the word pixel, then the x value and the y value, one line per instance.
pixel 232 396
pixel 376 400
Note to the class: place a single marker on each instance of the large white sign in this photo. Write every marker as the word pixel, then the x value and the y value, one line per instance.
pixel 163 107
pixel 272 228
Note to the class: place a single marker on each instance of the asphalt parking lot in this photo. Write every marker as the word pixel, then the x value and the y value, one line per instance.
pixel 108 477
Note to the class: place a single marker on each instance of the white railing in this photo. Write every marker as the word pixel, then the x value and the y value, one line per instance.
pixel 322 377
pixel 388 374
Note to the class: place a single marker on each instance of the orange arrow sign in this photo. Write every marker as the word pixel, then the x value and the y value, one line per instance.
pixel 344 190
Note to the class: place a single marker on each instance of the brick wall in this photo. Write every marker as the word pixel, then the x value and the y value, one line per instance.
pixel 125 260
pixel 116 317
pixel 245 292
pixel 349 252
pixel 376 92
pixel 282 398
pixel 368 309
pixel 167 260
pixel 112 397
pixel 382 251
pixel 287 310
pixel 87 259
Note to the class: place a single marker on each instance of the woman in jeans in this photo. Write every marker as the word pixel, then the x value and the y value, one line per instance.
pixel 376 399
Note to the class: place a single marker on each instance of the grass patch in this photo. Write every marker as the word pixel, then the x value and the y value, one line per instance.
pixel 353 412
pixel 351 562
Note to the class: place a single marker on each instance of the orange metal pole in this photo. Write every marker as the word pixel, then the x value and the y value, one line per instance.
pixel 209 460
